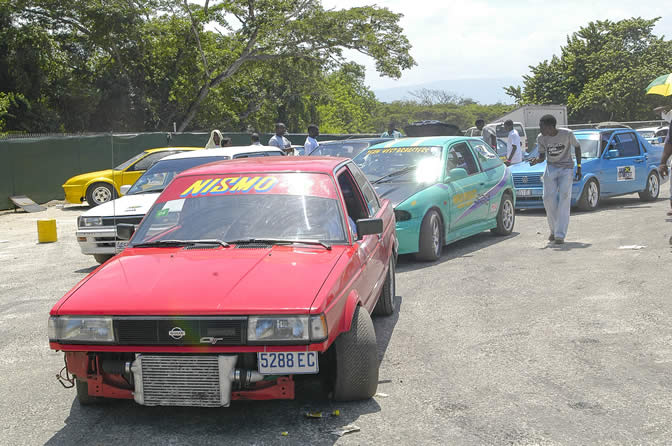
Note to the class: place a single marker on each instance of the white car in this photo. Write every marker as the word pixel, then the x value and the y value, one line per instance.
pixel 502 135
pixel 97 227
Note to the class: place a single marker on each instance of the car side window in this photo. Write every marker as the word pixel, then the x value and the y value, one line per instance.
pixel 369 193
pixel 459 156
pixel 354 204
pixel 626 144
pixel 488 158
pixel 150 160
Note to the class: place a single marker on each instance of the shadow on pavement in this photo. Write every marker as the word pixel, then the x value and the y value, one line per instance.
pixel 461 248
pixel 567 246
pixel 76 207
pixel 245 422
pixel 88 270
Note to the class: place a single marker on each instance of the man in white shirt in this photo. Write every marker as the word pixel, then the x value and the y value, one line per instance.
pixel 311 143
pixel 278 140
pixel 514 153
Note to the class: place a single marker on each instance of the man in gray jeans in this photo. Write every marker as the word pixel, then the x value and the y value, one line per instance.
pixel 554 144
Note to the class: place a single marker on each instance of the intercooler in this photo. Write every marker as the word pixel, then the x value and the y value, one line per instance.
pixel 183 380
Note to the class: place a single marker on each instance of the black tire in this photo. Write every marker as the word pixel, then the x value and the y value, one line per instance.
pixel 356 368
pixel 83 394
pixel 430 246
pixel 506 216
pixel 386 301
pixel 652 188
pixel 99 193
pixel 590 196
pixel 102 258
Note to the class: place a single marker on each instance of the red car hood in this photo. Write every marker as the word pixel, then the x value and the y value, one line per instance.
pixel 177 281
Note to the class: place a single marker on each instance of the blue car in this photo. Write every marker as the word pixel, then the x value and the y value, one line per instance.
pixel 614 162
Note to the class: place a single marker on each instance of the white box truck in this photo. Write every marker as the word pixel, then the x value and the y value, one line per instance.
pixel 529 115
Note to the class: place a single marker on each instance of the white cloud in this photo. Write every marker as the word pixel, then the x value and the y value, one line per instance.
pixel 491 39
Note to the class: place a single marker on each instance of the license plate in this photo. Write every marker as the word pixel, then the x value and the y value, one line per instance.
pixel 287 363
pixel 523 192
pixel 120 246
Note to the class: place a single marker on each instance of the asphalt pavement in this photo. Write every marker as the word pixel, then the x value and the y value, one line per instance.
pixel 505 340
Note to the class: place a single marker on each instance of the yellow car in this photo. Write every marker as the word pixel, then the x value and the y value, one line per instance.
pixel 104 185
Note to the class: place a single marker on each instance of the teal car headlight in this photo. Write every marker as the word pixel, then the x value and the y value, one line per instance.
pixel 87 222
pixel 286 329
pixel 81 329
pixel 401 215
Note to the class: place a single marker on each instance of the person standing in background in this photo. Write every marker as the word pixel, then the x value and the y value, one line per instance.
pixel 514 153
pixel 554 146
pixel 662 168
pixel 278 140
pixel 215 140
pixel 486 133
pixel 254 139
pixel 311 143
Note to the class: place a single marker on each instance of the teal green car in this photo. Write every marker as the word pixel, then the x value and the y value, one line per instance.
pixel 443 189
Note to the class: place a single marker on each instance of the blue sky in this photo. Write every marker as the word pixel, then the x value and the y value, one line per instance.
pixel 493 38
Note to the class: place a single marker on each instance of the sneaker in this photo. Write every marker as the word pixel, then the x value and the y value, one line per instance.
pixel 559 241
pixel 551 238
pixel 669 213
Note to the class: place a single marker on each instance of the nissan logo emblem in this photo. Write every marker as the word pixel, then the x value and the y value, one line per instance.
pixel 176 333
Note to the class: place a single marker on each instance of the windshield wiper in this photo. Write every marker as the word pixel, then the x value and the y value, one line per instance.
pixel 172 243
pixel 394 174
pixel 278 241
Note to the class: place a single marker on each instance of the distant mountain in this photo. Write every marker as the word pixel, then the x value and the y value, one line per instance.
pixel 484 91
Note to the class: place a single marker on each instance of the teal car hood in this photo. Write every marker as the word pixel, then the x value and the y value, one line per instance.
pixel 398 192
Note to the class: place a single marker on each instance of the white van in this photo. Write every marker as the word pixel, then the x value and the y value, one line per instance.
pixel 97 227
pixel 498 128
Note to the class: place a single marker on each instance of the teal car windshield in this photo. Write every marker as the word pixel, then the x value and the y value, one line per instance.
pixel 400 164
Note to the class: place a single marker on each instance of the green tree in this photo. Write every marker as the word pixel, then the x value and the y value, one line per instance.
pixel 602 72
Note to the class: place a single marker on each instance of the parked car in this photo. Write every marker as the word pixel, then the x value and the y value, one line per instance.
pixel 502 136
pixel 346 148
pixel 443 189
pixel 96 228
pixel 244 274
pixel 104 185
pixel 614 162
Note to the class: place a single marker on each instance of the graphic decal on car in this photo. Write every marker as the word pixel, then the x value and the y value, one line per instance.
pixel 625 173
pixel 463 200
pixel 400 150
pixel 485 198
pixel 231 185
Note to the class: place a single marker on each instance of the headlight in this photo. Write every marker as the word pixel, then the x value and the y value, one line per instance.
pixel 400 215
pixel 281 329
pixel 85 222
pixel 75 329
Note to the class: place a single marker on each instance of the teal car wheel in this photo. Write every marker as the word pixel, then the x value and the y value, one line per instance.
pixel 431 238
pixel 506 216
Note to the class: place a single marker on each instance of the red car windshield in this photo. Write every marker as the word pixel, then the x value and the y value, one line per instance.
pixel 289 206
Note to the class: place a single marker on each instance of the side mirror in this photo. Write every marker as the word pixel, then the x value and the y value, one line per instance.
pixel 368 226
pixel 456 174
pixel 611 153
pixel 125 230
pixel 124 189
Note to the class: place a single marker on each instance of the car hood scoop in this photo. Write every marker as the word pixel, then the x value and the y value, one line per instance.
pixel 177 281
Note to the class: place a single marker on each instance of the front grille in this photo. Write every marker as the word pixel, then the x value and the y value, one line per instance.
pixel 522 181
pixel 181 380
pixel 185 331
pixel 131 219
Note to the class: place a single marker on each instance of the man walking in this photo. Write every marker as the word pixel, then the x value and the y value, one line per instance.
pixel 278 140
pixel 514 153
pixel 311 143
pixel 554 146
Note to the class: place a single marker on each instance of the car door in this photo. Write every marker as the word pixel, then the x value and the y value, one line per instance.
pixel 623 165
pixel 467 207
pixel 368 248
pixel 493 170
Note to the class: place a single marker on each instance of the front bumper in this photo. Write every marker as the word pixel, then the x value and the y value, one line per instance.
pixel 74 194
pixel 97 240
pixel 408 235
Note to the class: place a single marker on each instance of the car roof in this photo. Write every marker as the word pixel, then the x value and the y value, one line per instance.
pixel 343 141
pixel 224 151
pixel 164 149
pixel 423 141
pixel 316 164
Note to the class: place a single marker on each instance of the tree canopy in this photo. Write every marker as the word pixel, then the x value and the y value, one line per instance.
pixel 602 72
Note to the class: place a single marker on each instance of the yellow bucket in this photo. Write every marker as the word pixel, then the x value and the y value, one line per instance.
pixel 46 231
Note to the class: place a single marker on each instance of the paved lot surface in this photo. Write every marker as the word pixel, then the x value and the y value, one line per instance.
pixel 503 341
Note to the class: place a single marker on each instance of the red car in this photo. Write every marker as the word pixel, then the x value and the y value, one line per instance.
pixel 242 275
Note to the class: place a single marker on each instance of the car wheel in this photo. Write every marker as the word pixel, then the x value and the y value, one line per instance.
pixel 102 258
pixel 506 216
pixel 83 394
pixel 652 188
pixel 590 197
pixel 99 193
pixel 431 237
pixel 385 304
pixel 356 370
